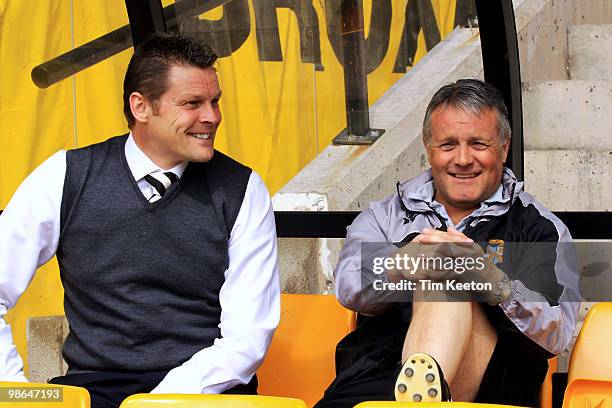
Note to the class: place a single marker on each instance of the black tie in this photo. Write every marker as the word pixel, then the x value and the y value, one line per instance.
pixel 160 183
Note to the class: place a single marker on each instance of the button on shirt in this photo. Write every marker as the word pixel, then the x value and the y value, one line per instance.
pixel 249 297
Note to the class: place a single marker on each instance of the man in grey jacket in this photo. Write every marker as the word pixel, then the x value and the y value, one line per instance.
pixel 519 301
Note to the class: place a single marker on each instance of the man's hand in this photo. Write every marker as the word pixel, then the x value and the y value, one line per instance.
pixel 449 256
pixel 449 244
pixel 454 244
pixel 434 236
pixel 430 249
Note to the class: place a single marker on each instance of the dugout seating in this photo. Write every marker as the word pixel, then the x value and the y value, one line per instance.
pixel 582 393
pixel 590 367
pixel 301 360
pixel 294 368
pixel 592 354
pixel 71 397
pixel 393 404
pixel 209 401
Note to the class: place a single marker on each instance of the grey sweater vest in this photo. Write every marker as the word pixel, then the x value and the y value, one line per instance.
pixel 141 280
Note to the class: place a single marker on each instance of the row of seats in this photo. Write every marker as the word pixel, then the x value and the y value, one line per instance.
pixel 589 379
pixel 300 365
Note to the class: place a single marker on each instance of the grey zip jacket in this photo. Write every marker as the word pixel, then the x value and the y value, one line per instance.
pixel 545 293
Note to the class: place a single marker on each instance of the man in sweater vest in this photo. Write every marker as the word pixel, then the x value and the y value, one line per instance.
pixel 166 247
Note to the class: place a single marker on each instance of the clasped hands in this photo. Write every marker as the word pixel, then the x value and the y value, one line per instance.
pixel 443 256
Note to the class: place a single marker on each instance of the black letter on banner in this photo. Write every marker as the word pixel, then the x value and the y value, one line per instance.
pixel 377 43
pixel 268 39
pixel 419 14
pixel 225 35
pixel 464 11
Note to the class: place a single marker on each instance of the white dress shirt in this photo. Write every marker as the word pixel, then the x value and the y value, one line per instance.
pixel 249 297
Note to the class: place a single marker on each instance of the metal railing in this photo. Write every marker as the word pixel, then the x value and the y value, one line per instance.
pixel 332 224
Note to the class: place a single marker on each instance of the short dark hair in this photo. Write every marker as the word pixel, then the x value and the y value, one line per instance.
pixel 472 95
pixel 148 70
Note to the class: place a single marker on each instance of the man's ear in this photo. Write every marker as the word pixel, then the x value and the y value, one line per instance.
pixel 505 148
pixel 140 107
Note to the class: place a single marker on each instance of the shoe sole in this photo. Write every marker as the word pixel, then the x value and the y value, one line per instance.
pixel 419 380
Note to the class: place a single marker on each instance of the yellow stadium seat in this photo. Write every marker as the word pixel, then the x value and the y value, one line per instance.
pixel 545 398
pixel 209 401
pixel 592 354
pixel 583 393
pixel 590 368
pixel 41 395
pixel 546 389
pixel 300 362
pixel 393 404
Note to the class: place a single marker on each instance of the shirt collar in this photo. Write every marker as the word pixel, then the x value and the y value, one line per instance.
pixel 140 165
pixel 426 193
pixel 497 197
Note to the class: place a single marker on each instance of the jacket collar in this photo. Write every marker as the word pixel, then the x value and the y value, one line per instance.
pixel 417 194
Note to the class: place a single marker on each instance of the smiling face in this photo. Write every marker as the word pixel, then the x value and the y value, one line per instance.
pixel 182 124
pixel 466 158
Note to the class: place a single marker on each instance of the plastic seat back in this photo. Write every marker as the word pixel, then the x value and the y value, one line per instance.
pixel 546 389
pixel 42 395
pixel 545 398
pixel 592 354
pixel 301 360
pixel 208 401
pixel 393 404
pixel 584 393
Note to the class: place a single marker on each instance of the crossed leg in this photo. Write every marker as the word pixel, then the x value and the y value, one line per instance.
pixel 459 336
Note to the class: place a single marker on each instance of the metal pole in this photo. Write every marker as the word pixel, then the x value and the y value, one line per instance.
pixel 502 68
pixel 78 59
pixel 355 78
pixel 146 17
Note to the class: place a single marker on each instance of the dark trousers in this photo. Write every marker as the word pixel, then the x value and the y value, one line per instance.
pixel 368 362
pixel 108 389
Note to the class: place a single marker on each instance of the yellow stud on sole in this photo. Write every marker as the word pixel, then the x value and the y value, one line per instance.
pixel 419 380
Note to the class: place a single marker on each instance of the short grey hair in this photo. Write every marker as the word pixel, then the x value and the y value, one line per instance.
pixel 471 95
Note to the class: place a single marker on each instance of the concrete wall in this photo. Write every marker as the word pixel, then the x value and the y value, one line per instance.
pixel 567 115
pixel 543 26
pixel 570 180
pixel 589 52
pixel 543 39
pixel 45 337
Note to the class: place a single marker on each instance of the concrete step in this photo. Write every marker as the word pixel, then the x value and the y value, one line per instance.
pixel 590 52
pixel 570 180
pixel 567 115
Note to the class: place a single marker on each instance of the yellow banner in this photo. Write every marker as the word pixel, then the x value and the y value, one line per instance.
pixel 280 71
